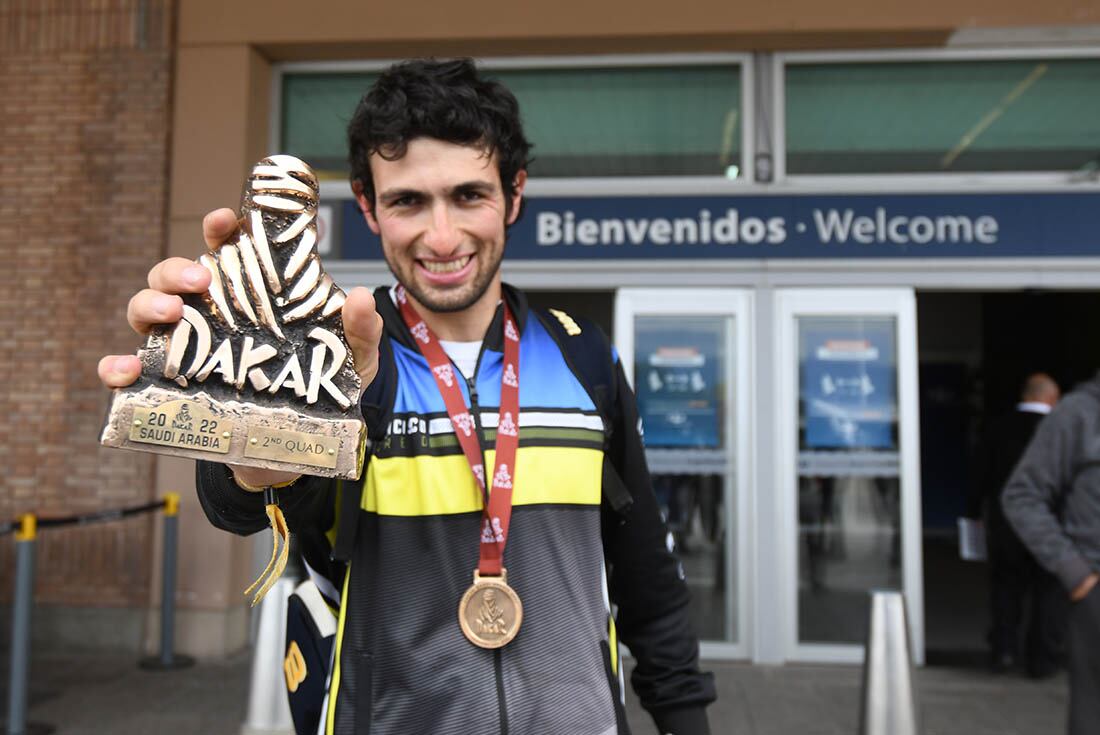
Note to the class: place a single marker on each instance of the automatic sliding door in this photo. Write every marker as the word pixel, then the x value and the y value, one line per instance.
pixel 850 461
pixel 685 353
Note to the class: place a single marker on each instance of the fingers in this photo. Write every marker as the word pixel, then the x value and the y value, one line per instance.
pixel 363 331
pixel 149 307
pixel 159 303
pixel 119 371
pixel 218 226
pixel 179 275
pixel 255 479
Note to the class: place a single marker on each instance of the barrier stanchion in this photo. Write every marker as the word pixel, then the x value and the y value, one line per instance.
pixel 26 533
pixel 888 705
pixel 167 659
pixel 268 706
pixel 26 529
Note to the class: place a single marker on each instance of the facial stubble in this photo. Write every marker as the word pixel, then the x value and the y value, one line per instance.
pixel 477 288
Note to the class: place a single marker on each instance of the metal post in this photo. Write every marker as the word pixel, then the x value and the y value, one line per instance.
pixel 168 659
pixel 21 624
pixel 888 703
pixel 268 706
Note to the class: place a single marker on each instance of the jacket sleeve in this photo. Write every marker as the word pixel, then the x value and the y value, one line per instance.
pixel 1037 489
pixel 646 582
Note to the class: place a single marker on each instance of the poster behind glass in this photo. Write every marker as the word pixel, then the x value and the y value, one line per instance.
pixel 849 383
pixel 679 372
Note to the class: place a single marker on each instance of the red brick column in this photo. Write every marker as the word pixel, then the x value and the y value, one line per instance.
pixel 84 131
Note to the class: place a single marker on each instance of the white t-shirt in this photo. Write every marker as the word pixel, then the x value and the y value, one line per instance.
pixel 464 355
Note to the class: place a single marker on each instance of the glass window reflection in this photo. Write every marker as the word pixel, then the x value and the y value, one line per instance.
pixel 848 488
pixel 683 380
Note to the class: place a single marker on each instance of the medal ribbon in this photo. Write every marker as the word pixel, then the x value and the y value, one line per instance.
pixel 497 504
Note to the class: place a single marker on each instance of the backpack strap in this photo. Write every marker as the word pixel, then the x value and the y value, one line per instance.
pixel 588 353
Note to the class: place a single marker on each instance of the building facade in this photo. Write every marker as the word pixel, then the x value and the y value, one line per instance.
pixel 817 237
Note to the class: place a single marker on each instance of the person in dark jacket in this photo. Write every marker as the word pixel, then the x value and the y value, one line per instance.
pixel 1052 500
pixel 1015 577
pixel 438 160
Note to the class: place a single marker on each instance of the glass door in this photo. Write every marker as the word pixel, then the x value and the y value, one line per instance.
pixel 848 463
pixel 686 354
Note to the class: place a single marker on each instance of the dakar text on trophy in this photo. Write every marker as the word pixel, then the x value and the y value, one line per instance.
pixel 257 372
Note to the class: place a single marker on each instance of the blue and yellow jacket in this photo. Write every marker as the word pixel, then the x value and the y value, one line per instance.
pixel 587 553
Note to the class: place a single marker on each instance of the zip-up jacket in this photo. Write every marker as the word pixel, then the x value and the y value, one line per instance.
pixel 1052 498
pixel 586 539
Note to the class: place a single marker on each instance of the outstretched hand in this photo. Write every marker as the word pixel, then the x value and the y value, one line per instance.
pixel 161 303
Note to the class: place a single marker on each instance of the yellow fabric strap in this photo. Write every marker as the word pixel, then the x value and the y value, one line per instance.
pixel 277 564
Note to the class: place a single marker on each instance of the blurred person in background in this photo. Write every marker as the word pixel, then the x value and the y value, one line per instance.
pixel 1015 577
pixel 1053 501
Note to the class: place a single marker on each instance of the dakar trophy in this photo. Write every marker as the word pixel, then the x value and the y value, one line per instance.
pixel 257 372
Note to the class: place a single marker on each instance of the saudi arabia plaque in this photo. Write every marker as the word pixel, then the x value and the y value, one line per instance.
pixel 257 372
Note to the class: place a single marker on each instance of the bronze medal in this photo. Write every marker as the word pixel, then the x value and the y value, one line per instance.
pixel 490 612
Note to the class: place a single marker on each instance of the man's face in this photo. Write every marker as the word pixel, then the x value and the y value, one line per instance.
pixel 440 211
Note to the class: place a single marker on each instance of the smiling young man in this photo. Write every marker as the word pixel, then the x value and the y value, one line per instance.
pixel 493 459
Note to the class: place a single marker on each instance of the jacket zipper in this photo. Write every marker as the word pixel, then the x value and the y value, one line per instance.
pixel 498 668
pixel 475 412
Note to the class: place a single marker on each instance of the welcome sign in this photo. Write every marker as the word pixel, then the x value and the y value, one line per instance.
pixel 791 226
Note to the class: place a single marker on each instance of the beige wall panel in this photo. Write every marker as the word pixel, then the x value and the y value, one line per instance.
pixel 204 634
pixel 352 21
pixel 219 129
pixel 185 236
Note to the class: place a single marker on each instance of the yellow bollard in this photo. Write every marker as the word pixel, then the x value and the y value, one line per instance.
pixel 171 504
pixel 28 527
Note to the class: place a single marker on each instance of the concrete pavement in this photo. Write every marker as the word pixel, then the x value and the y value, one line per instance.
pixel 96 693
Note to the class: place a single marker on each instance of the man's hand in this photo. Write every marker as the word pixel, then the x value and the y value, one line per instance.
pixel 161 303
pixel 1082 590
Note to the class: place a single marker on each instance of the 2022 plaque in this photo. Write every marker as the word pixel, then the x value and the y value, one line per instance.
pixel 257 372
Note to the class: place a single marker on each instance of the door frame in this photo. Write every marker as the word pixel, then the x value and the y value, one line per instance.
pixel 740 484
pixel 899 303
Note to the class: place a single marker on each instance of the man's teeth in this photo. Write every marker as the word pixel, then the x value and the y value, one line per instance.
pixel 446 266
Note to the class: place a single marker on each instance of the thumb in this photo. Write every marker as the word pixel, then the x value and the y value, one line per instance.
pixel 363 331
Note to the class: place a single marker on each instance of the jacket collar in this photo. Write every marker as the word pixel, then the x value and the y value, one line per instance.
pixel 494 338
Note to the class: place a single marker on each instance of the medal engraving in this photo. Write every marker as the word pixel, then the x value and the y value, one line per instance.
pixel 180 424
pixel 490 612
pixel 261 354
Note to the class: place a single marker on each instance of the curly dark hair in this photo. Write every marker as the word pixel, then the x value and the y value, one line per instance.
pixel 445 100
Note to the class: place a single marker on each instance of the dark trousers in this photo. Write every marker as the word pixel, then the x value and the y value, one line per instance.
pixel 1020 591
pixel 1084 665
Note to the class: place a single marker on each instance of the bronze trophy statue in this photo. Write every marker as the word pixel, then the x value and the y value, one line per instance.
pixel 257 372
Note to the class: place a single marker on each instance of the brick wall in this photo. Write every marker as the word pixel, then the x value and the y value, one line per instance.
pixel 84 115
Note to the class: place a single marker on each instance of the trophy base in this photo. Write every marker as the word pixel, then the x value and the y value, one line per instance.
pixel 198 426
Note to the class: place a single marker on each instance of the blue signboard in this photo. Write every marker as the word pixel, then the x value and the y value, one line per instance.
pixel 677 374
pixel 790 226
pixel 849 383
